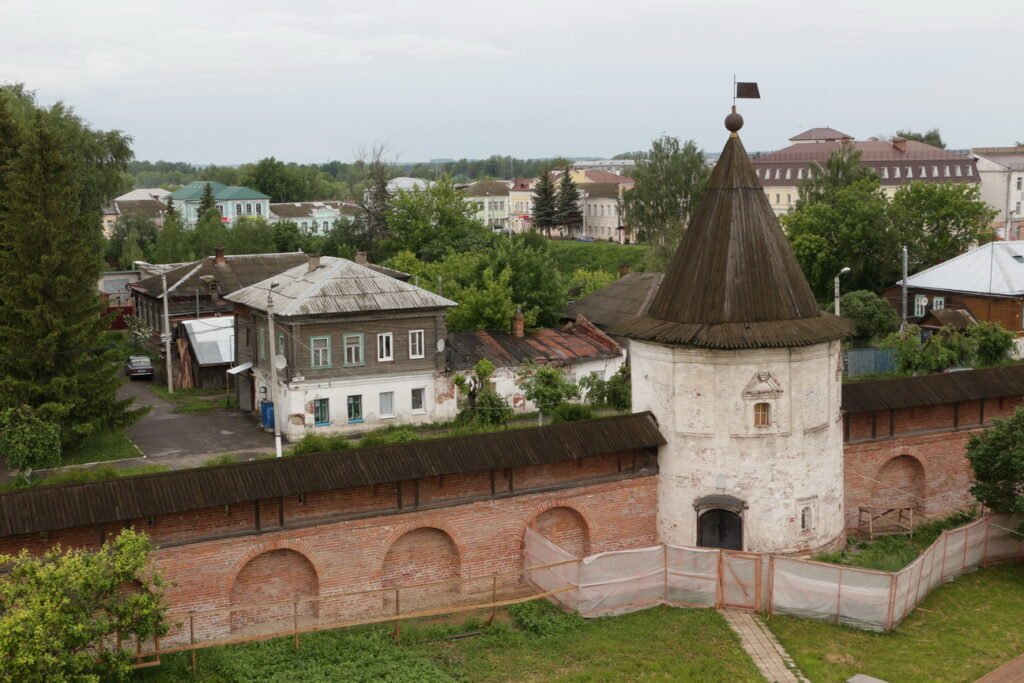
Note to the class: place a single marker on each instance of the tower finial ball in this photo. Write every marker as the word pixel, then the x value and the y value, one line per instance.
pixel 733 122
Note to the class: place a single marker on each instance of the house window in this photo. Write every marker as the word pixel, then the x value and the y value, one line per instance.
pixel 1020 180
pixel 789 199
pixel 920 305
pixel 220 209
pixel 321 412
pixel 806 518
pixel 238 209
pixel 938 303
pixel 305 225
pixel 259 209
pixel 417 400
pixel 416 344
pixel 387 404
pixel 896 172
pixel 248 209
pixel 355 408
pixel 261 344
pixel 353 349
pixel 384 351
pixel 777 199
pixel 762 415
pixel 320 352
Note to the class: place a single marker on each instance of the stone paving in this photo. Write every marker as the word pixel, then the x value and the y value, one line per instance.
pixel 771 658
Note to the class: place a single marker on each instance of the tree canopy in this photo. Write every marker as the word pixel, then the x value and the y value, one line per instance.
pixel 567 204
pixel 545 203
pixel 872 314
pixel 997 458
pixel 431 221
pixel 981 345
pixel 931 137
pixel 547 386
pixel 842 169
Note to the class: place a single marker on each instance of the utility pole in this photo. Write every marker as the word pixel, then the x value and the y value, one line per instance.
pixel 273 369
pixel 166 336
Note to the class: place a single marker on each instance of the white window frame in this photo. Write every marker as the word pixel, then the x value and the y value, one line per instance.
pixel 325 362
pixel 920 305
pixel 359 349
pixel 391 397
pixel 385 347
pixel 423 400
pixel 417 344
pixel 938 303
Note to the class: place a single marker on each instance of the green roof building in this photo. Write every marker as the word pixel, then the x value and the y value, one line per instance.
pixel 232 201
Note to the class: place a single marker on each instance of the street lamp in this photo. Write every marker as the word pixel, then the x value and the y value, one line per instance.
pixel 842 272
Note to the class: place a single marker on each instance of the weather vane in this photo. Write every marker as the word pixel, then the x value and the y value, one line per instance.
pixel 743 91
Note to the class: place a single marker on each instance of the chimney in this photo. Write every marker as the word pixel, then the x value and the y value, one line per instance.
pixel 314 262
pixel 900 144
pixel 361 258
pixel 623 269
pixel 517 324
pixel 218 256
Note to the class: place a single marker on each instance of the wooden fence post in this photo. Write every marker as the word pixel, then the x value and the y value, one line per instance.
pixel 295 624
pixel 192 636
pixel 771 583
pixel 398 624
pixel 839 593
pixel 664 556
pixel 494 599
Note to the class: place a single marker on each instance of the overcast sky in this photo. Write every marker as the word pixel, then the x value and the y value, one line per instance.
pixel 311 80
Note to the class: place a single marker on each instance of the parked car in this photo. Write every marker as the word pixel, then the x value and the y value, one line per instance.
pixel 584 238
pixel 139 366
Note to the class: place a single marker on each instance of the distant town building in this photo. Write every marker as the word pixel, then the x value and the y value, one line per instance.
pixel 145 202
pixel 490 198
pixel 1002 187
pixel 616 166
pixel 314 218
pixel 407 184
pixel 233 201
pixel 520 200
pixel 601 205
pixel 897 162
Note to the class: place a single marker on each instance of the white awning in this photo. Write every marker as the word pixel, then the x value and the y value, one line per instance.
pixel 239 368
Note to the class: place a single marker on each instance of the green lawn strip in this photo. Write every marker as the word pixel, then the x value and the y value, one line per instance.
pixel 192 400
pixel 544 644
pixel 962 631
pixel 83 475
pixel 113 445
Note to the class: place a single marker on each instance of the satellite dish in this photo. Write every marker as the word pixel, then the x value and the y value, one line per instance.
pixel 440 345
pixel 280 362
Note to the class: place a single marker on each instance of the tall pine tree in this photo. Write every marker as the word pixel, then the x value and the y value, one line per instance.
pixel 545 203
pixel 56 174
pixel 208 234
pixel 206 202
pixel 567 207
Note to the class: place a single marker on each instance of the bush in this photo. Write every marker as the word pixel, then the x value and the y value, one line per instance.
pixel 320 443
pixel 541 618
pixel 571 412
pixel 872 314
pixel 386 437
pixel 615 392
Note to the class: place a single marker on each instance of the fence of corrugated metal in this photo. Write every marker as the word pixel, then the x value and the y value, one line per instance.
pixel 630 580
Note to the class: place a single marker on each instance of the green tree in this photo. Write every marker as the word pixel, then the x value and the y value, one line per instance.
pixel 997 458
pixel 208 234
pixel 144 231
pixel 871 313
pixel 567 204
pixel 484 406
pixel 584 282
pixel 614 392
pixel 207 201
pixel 56 174
pixel 287 236
pixel 992 343
pixel 28 442
pixel 842 169
pixel 537 285
pixel 938 221
pixel 667 192
pixel 375 201
pixel 250 236
pixel 432 221
pixel 277 179
pixel 487 305
pixel 930 137
pixel 548 387
pixel 131 249
pixel 56 609
pixel 172 243
pixel 545 203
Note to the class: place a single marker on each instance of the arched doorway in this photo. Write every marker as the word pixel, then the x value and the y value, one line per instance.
pixel 720 528
pixel 422 556
pixel 276 576
pixel 900 482
pixel 566 528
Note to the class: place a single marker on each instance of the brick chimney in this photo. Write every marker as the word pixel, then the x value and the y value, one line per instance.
pixel 517 324
pixel 361 258
pixel 314 262
pixel 900 144
pixel 623 269
pixel 218 256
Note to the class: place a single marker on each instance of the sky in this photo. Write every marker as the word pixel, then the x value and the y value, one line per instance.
pixel 311 80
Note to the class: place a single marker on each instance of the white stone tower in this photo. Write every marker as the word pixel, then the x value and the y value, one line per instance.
pixel 742 372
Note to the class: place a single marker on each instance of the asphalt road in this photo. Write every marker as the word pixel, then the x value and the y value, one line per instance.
pixel 185 440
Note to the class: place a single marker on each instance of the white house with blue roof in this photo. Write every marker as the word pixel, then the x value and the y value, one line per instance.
pixel 232 201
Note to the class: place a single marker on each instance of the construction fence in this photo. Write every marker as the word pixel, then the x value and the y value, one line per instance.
pixel 630 580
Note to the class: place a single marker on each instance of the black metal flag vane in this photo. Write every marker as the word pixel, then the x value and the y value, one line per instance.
pixel 744 91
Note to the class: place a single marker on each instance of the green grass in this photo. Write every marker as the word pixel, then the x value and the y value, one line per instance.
pixel 893 553
pixel 961 631
pixel 83 475
pixel 112 445
pixel 192 400
pixel 531 643
pixel 571 255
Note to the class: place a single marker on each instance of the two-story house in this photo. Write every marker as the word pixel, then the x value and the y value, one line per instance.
pixel 359 349
pixel 232 201
pixel 490 199
pixel 314 218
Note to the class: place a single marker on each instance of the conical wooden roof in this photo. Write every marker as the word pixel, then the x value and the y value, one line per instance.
pixel 734 281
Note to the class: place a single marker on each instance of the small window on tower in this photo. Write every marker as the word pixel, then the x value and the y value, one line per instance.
pixel 762 414
pixel 806 519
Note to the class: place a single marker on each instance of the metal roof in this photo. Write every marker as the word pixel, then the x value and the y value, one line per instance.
pixel 212 339
pixel 574 343
pixel 626 298
pixel 821 134
pixel 194 191
pixel 994 268
pixel 337 286
pixel 906 392
pixel 237 271
pixel 734 281
pixel 60 507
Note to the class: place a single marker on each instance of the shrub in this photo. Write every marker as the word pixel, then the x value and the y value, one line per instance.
pixel 570 412
pixel 320 443
pixel 541 618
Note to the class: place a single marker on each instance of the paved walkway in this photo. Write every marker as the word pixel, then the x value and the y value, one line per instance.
pixel 1010 672
pixel 771 658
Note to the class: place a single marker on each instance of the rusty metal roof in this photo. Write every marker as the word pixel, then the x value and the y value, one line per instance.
pixel 949 387
pixel 734 282
pixel 576 342
pixel 626 298
pixel 236 271
pixel 116 500
pixel 337 286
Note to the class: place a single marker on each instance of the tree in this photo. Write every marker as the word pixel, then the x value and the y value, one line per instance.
pixel 143 232
pixel 992 343
pixel 483 404
pixel 375 201
pixel 937 221
pixel 871 313
pixel 429 222
pixel 28 442
pixel 172 242
pixel 545 203
pixel 486 306
pixel 208 234
pixel 537 285
pixel 980 345
pixel 567 204
pixel 131 250
pixel 287 236
pixel 56 609
pixel 930 137
pixel 614 392
pixel 584 282
pixel 843 168
pixel 548 387
pixel 277 179
pixel 207 201
pixel 667 192
pixel 250 236
pixel 56 174
pixel 997 457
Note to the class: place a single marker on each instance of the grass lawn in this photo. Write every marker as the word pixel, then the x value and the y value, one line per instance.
pixel 82 475
pixel 100 448
pixel 962 631
pixel 192 400
pixel 537 643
